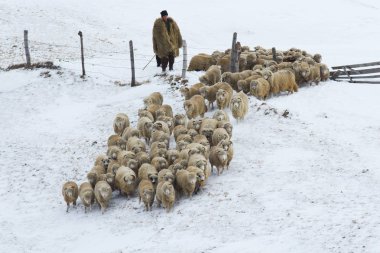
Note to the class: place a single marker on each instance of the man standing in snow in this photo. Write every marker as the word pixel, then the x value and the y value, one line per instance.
pixel 167 40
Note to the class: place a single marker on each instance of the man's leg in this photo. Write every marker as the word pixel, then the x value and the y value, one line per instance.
pixel 158 60
pixel 171 61
pixel 164 63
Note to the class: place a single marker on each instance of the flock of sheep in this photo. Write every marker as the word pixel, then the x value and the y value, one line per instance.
pixel 261 73
pixel 139 160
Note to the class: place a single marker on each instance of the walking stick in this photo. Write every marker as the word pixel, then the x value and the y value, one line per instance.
pixel 149 62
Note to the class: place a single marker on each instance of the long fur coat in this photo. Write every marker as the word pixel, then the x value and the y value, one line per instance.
pixel 164 42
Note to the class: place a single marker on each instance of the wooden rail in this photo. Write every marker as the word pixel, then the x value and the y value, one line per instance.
pixel 348 73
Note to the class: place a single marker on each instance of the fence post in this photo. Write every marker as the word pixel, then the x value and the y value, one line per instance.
pixel 26 45
pixel 274 54
pixel 133 82
pixel 234 56
pixel 82 54
pixel 184 67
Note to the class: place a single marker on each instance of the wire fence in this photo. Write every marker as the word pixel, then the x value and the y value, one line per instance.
pixel 96 59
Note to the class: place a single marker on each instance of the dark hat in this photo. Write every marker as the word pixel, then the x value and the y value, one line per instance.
pixel 164 13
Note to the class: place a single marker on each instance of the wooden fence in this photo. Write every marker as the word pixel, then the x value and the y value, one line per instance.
pixel 357 73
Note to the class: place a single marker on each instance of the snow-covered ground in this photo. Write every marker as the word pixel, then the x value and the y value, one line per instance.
pixel 306 183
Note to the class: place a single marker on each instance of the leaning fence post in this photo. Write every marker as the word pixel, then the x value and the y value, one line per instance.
pixel 274 54
pixel 82 54
pixel 133 82
pixel 234 56
pixel 26 45
pixel 184 67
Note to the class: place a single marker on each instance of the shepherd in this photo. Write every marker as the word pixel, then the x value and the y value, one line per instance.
pixel 167 41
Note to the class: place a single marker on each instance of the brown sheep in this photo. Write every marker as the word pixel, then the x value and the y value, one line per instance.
pixel 209 92
pixel 191 91
pixel 70 193
pixel 285 79
pixel 184 137
pixel 325 72
pixel 226 125
pixel 164 110
pixel 195 124
pixel 154 98
pixel 218 158
pixel 195 106
pixel 211 76
pixel 142 157
pixel 120 123
pixel 168 121
pixel 165 195
pixel 152 109
pixel 186 182
pixel 112 168
pixel 125 181
pixel 180 119
pixel 244 85
pixel 159 163
pixel 116 140
pixel 113 152
pixel 223 98
pixel 166 175
pixel 94 173
pixel 207 128
pixel 199 161
pixel 172 155
pixel 145 113
pixel 315 74
pixel 201 179
pixel 130 132
pixel 135 145
pixel 161 126
pixel 179 130
pixel 200 62
pixel 145 125
pixel 86 195
pixel 146 193
pixel 109 178
pixel 160 136
pixel 227 146
pixel 261 88
pixel 317 58
pixel 218 135
pixel 192 133
pixel 103 194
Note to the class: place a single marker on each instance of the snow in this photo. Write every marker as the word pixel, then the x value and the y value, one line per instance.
pixel 306 183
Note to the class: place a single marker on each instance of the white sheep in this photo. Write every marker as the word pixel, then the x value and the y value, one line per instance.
pixel 239 105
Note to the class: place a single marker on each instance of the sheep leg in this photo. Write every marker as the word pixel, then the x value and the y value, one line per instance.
pixel 85 209
pixel 75 203
pixel 67 210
